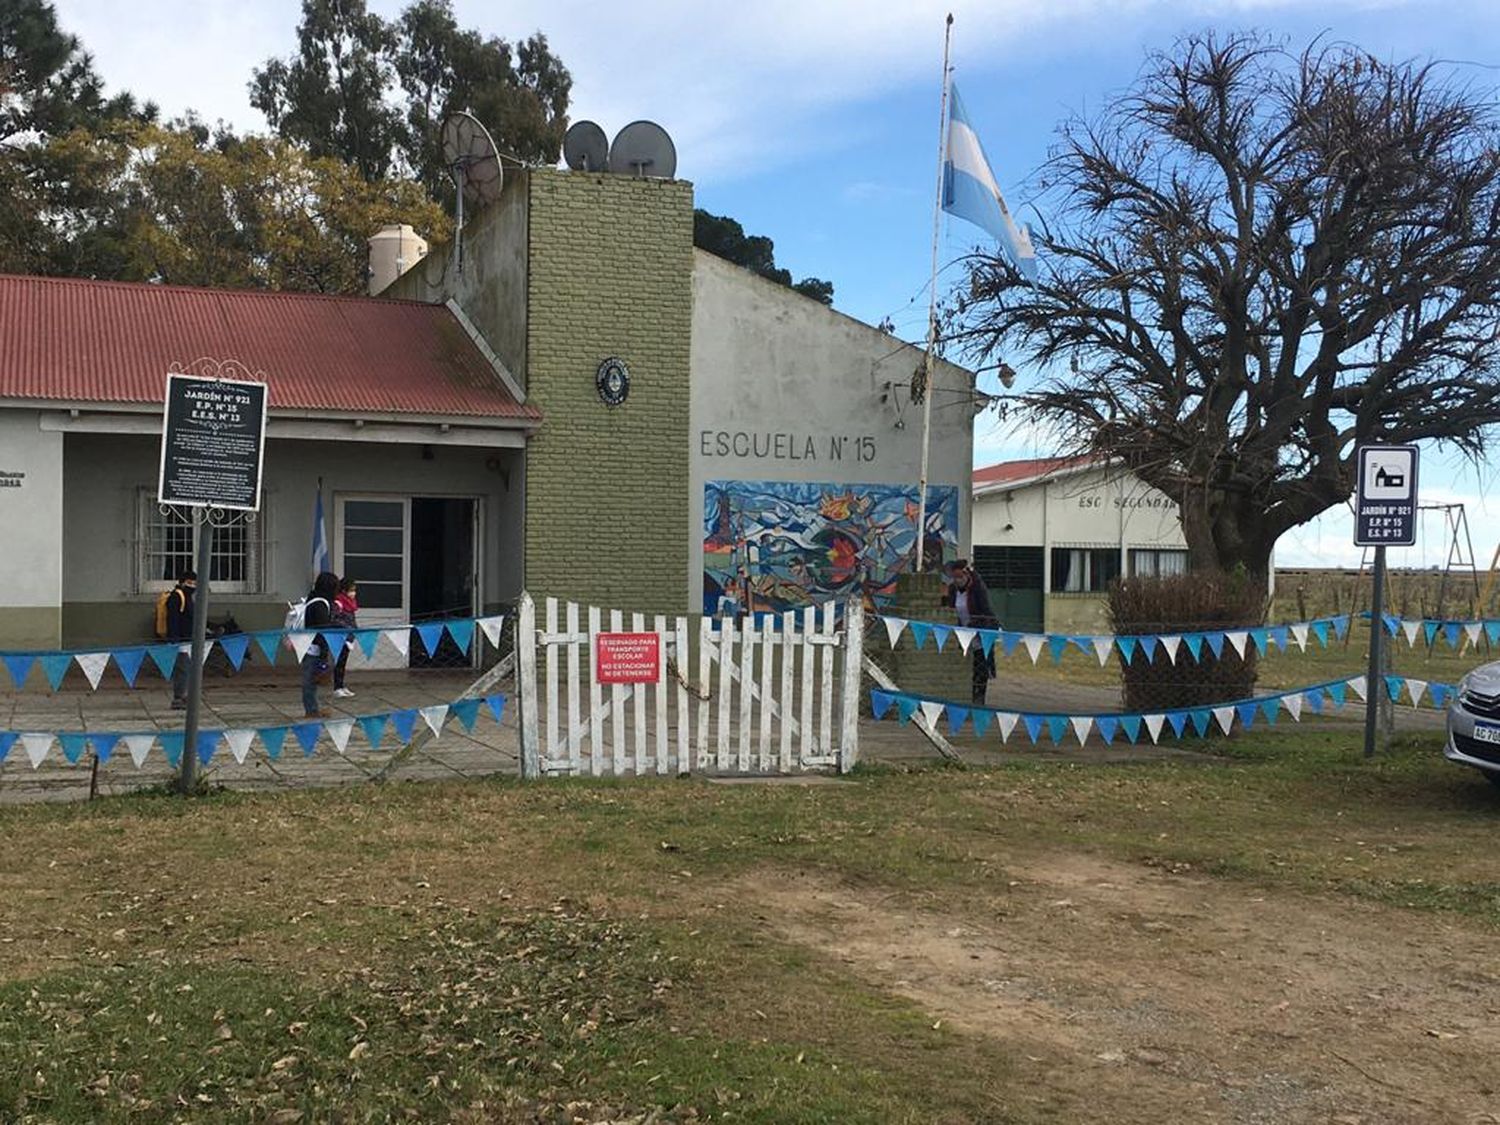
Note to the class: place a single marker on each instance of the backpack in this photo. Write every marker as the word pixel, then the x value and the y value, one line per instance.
pixel 162 600
pixel 296 617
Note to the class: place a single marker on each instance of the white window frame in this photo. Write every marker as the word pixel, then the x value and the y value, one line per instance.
pixel 149 518
pixel 1155 554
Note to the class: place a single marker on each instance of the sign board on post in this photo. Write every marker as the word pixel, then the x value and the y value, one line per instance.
pixel 213 443
pixel 1385 503
pixel 627 658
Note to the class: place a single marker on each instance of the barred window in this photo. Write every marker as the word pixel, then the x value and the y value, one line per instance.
pixel 168 545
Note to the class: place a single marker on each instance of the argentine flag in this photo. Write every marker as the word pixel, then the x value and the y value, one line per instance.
pixel 970 191
pixel 319 536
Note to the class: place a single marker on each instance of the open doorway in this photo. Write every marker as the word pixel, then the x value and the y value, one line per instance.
pixel 442 570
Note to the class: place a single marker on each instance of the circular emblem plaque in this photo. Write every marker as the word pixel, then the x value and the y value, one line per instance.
pixel 613 381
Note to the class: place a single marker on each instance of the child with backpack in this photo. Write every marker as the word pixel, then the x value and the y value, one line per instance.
pixel 345 616
pixel 174 622
pixel 317 613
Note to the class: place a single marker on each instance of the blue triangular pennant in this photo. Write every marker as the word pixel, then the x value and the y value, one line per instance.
pixel 1492 631
pixel 73 745
pixel 7 740
pixel 1320 630
pixel 234 646
pixel 164 657
pixel 940 634
pixel 1178 719
pixel 336 640
pixel 466 711
pixel 1201 718
pixel 208 742
pixel 1148 647
pixel 1281 636
pixel 1429 630
pixel 919 632
pixel 496 703
pixel 1056 644
pixel 1127 648
pixel 1393 686
pixel 1340 625
pixel 128 661
pixel 1271 709
pixel 461 629
pixel 987 639
pixel 1451 632
pixel 374 729
pixel 1215 644
pixel 1337 690
pixel 1392 623
pixel 1440 693
pixel 1008 643
pixel 1194 643
pixel 1106 725
pixel 307 735
pixel 432 636
pixel 55 666
pixel 272 738
pixel 982 717
pixel 404 722
pixel 367 639
pixel 1131 725
pixel 1314 700
pixel 906 707
pixel 1261 637
pixel 1033 726
pixel 104 746
pixel 171 746
pixel 880 703
pixel 957 717
pixel 18 664
pixel 269 643
pixel 1057 727
pixel 1247 712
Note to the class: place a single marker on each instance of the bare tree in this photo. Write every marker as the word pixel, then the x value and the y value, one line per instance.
pixel 1261 259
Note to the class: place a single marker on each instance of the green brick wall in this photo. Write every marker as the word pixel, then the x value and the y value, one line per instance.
pixel 607 512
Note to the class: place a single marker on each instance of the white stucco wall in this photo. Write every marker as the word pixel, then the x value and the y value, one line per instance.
pixel 31 514
pixel 786 389
pixel 1092 508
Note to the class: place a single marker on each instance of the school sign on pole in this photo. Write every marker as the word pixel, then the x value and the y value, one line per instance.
pixel 1385 515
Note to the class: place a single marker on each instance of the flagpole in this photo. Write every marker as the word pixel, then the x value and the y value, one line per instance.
pixel 937 219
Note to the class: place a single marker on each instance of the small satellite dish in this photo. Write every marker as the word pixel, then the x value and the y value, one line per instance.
pixel 586 148
pixel 470 153
pixel 643 148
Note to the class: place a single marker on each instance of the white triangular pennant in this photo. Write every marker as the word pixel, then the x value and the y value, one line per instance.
pixel 965 638
pixel 434 717
pixel 931 712
pixel 340 729
pixel 1225 718
pixel 1238 640
pixel 1410 628
pixel 1418 688
pixel 1006 722
pixel 894 627
pixel 1082 724
pixel 1293 705
pixel 1471 629
pixel 1171 644
pixel 1103 646
pixel 1154 725
pixel 1357 685
pixel 400 640
pixel 208 648
pixel 37 746
pixel 239 743
pixel 139 746
pixel 300 643
pixel 93 665
pixel 490 627
pixel 1299 634
pixel 1033 644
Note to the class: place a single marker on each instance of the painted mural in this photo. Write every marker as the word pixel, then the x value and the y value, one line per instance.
pixel 779 545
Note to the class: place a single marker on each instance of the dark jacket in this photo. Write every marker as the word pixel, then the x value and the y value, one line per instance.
pixel 319 612
pixel 981 613
pixel 180 613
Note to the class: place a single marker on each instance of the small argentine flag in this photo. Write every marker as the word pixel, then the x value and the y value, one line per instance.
pixel 319 536
pixel 970 191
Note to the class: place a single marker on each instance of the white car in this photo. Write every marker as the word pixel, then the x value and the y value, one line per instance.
pixel 1474 722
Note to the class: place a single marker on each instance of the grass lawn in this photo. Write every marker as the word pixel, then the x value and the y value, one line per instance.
pixel 597 951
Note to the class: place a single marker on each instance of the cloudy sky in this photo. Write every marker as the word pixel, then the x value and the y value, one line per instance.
pixel 816 122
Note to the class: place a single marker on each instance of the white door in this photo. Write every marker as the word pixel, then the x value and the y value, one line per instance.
pixel 372 545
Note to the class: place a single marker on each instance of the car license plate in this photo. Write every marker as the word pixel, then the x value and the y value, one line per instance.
pixel 1487 732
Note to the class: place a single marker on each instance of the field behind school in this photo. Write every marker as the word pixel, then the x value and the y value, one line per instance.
pixel 1284 933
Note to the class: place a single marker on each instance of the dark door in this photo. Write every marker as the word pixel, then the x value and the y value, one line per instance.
pixel 1014 576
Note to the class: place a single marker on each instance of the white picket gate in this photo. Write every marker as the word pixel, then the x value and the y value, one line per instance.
pixel 763 700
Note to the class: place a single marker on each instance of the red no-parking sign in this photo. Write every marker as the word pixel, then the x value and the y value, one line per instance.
pixel 627 658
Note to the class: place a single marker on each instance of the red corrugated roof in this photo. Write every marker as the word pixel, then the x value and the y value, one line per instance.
pixel 1008 471
pixel 71 340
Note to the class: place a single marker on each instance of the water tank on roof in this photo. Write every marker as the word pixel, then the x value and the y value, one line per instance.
pixel 392 252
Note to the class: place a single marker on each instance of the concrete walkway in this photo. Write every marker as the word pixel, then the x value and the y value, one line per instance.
pixel 264 698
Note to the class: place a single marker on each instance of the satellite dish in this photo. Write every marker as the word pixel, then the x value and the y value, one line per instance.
pixel 586 148
pixel 643 148
pixel 469 151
